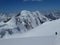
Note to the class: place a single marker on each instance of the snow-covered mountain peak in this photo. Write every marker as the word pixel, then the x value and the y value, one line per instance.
pixel 24 21
pixel 25 12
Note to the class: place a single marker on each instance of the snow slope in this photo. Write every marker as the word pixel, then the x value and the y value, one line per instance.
pixel 43 40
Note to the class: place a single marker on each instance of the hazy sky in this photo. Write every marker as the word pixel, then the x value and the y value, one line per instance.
pixel 18 5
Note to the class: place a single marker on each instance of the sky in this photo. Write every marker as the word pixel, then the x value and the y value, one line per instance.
pixel 32 5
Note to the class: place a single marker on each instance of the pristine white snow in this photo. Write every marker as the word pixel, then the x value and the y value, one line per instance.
pixel 43 40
